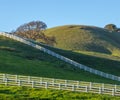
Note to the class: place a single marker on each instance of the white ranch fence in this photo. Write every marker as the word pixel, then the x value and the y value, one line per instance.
pixel 59 84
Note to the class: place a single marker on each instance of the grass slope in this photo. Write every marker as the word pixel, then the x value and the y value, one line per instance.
pixel 25 93
pixel 103 62
pixel 18 58
pixel 86 38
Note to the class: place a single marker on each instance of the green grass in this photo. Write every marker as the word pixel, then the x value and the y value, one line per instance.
pixel 18 58
pixel 86 38
pixel 26 93
pixel 103 62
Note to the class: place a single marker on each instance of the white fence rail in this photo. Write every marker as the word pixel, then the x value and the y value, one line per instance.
pixel 60 84
pixel 86 68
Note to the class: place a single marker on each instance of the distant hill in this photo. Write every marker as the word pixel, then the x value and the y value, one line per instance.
pixel 86 38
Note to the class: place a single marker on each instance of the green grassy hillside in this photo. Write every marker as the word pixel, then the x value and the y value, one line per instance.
pixel 103 62
pixel 86 38
pixel 18 58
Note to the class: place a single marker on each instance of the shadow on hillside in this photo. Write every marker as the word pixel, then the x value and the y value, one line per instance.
pixel 97 48
pixel 100 63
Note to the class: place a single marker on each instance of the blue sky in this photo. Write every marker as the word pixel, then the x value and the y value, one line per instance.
pixel 14 13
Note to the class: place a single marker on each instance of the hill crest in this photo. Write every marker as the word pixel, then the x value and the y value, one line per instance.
pixel 85 38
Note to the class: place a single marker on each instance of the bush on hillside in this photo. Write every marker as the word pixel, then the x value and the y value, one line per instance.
pixel 111 27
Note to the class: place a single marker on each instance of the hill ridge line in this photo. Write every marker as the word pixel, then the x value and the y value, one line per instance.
pixel 65 59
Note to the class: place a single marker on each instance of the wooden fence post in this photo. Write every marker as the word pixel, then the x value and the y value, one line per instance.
pixel 53 81
pixel 115 88
pixel 90 86
pixel 33 84
pixel 19 82
pixel 6 81
pixel 86 89
pixel 103 86
pixel 16 78
pixel 29 79
pixel 113 92
pixel 66 83
pixel 4 77
pixel 73 87
pixel 46 85
pixel 41 80
pixel 78 84
pixel 100 90
pixel 59 86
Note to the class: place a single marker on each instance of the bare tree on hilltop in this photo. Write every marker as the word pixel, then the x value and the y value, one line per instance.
pixel 34 30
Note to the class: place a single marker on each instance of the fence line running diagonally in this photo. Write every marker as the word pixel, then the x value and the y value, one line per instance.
pixel 59 84
pixel 86 68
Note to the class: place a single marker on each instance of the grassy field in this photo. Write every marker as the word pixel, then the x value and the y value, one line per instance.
pixel 25 93
pixel 18 58
pixel 103 62
pixel 86 38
